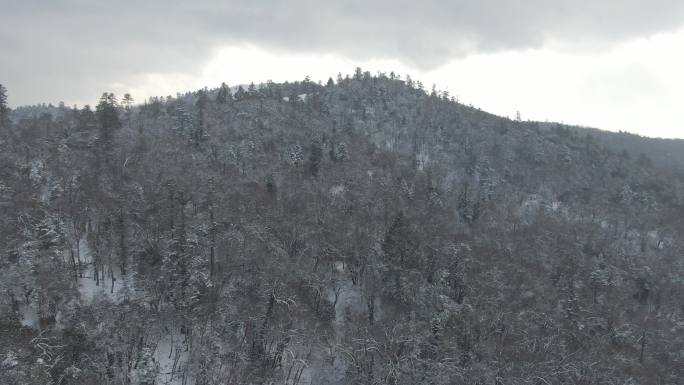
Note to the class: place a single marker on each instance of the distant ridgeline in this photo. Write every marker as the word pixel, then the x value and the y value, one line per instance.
pixel 365 231
pixel 665 153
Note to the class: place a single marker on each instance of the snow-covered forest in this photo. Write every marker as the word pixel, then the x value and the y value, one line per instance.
pixel 363 231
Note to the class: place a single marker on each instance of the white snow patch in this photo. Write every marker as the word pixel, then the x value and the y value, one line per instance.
pixel 351 301
pixel 172 355
pixel 89 290
pixel 87 285
pixel 423 160
pixel 337 190
pixel 84 249
pixel 10 361
pixel 29 314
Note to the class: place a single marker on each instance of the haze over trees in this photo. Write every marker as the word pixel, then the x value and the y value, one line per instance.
pixel 364 231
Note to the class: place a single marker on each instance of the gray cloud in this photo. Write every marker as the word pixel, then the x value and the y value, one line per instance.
pixel 72 48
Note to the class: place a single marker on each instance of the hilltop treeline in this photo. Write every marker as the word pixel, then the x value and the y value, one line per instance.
pixel 365 231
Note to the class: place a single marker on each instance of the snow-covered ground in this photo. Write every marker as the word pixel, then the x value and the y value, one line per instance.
pixel 29 314
pixel 88 288
pixel 351 301
pixel 90 291
pixel 172 355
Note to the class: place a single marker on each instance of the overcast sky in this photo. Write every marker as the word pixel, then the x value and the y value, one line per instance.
pixel 611 64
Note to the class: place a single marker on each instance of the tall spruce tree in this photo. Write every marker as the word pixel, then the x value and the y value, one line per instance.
pixel 108 116
pixel 4 110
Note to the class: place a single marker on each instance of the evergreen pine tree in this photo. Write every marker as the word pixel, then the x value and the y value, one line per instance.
pixel 108 116
pixel 4 110
pixel 223 94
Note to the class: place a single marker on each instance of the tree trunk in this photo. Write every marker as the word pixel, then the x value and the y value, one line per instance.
pixel 212 256
pixel 78 256
pixel 73 262
pixel 643 346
